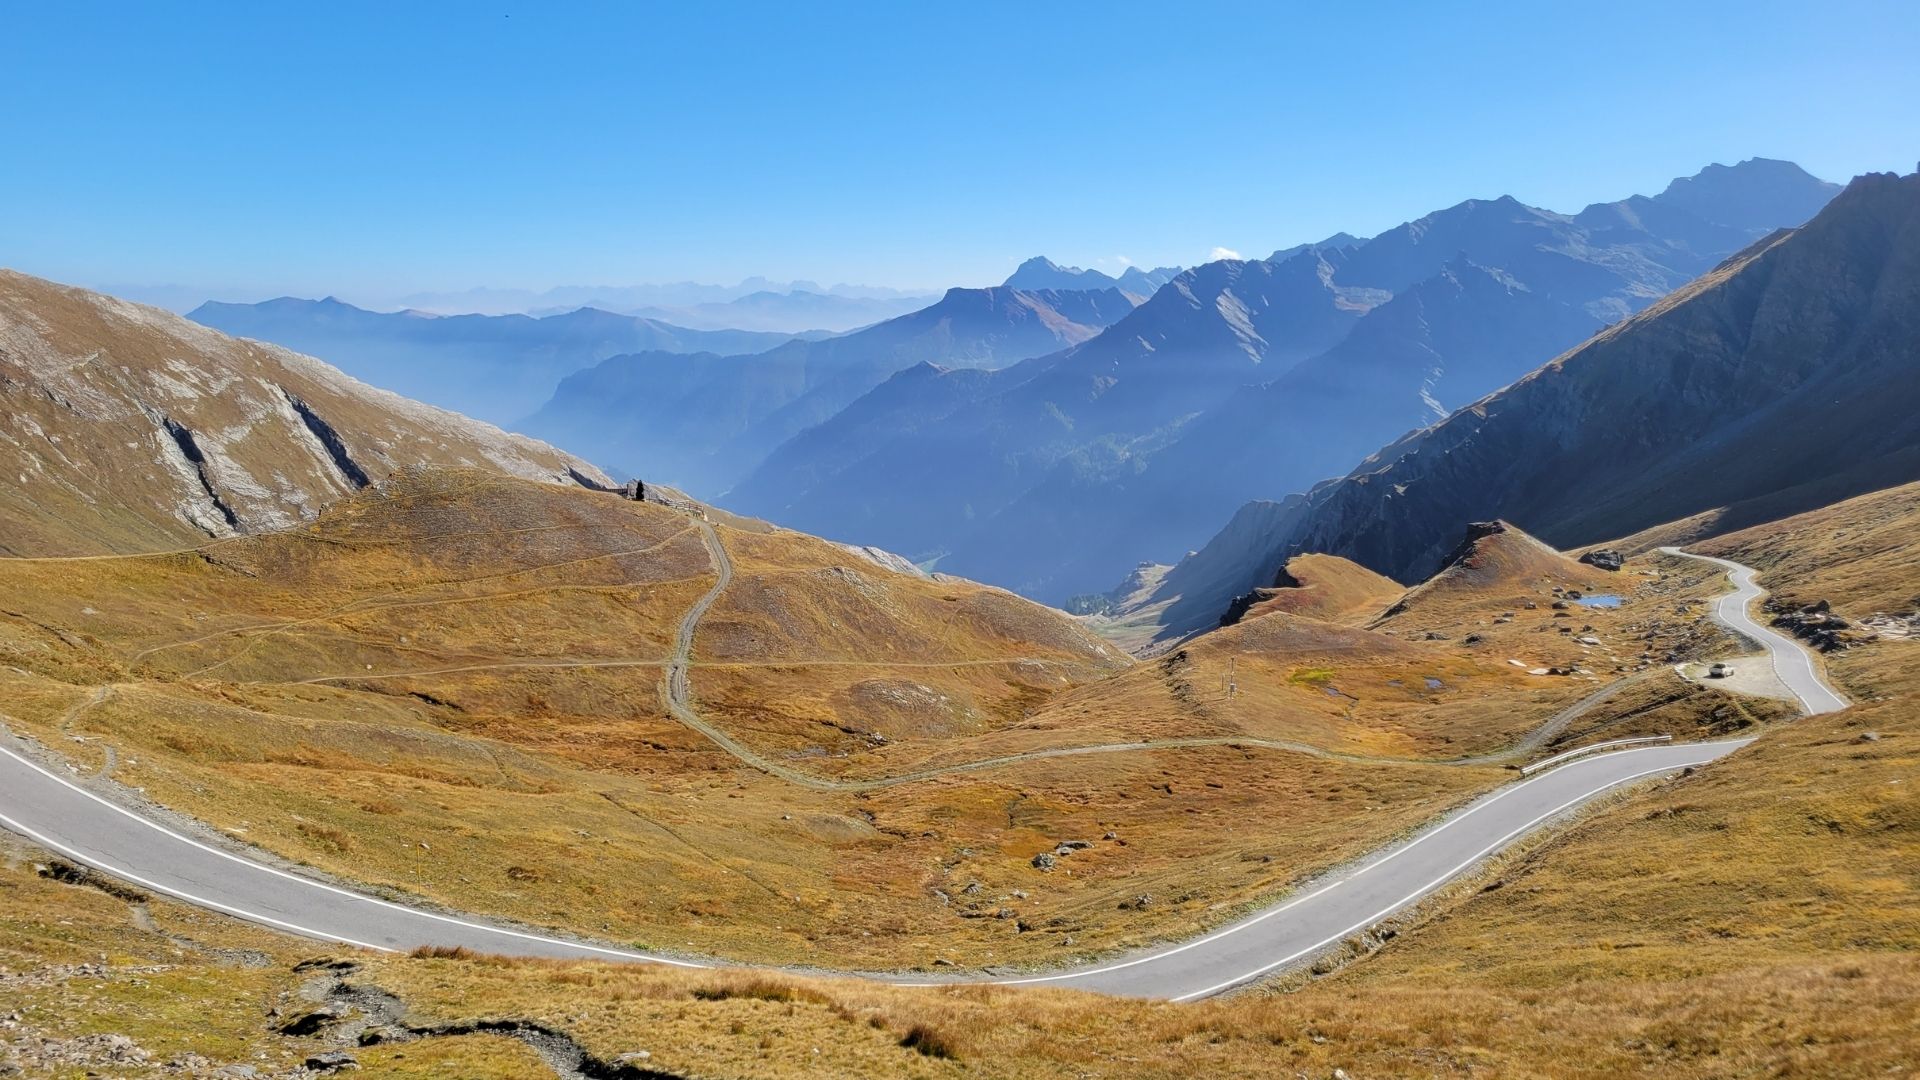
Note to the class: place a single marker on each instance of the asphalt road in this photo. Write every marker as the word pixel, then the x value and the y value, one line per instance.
pixel 54 811
pixel 1389 882
pixel 1791 662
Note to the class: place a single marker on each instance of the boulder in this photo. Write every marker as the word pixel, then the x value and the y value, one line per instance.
pixel 1604 559
pixel 314 1022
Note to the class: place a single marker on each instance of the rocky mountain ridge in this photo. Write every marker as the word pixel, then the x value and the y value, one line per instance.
pixel 1786 378
pixel 1239 380
pixel 703 421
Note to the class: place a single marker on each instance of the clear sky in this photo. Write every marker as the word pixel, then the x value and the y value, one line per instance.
pixel 370 150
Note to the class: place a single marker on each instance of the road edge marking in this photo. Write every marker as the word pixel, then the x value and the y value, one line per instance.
pixel 1437 882
pixel 303 880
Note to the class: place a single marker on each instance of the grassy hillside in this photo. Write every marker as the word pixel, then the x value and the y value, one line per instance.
pixel 1757 918
pixel 475 664
pixel 126 429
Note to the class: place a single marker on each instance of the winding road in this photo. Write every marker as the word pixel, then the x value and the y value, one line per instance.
pixel 90 828
pixel 1791 662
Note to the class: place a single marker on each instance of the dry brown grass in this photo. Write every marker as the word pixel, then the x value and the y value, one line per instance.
pixel 1859 554
pixel 1759 918
pixel 242 696
pixel 1329 588
pixel 186 986
pixel 92 478
pixel 78 962
pixel 512 719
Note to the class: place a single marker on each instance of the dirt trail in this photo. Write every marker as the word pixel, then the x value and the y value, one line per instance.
pixel 676 692
pixel 676 695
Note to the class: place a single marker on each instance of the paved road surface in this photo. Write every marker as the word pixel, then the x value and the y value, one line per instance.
pixel 1396 879
pixel 1791 662
pixel 57 813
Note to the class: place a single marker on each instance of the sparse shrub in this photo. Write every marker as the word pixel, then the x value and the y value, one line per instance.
pixel 759 988
pixel 326 835
pixel 931 1041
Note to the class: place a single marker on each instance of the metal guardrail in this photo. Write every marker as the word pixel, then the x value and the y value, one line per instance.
pixel 1557 758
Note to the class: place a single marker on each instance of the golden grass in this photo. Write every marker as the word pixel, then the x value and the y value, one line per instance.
pixel 1859 554
pixel 1328 587
pixel 1760 917
pixel 79 962
pixel 196 983
pixel 512 721
pixel 508 752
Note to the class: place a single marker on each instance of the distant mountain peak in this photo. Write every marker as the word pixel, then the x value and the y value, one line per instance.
pixel 1041 272
pixel 1756 195
pixel 1041 262
pixel 1332 243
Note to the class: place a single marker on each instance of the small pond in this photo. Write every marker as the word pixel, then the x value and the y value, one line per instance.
pixel 1603 600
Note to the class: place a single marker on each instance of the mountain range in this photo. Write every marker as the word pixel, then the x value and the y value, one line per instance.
pixel 673 294
pixel 1041 272
pixel 1239 380
pixel 492 367
pixel 1786 378
pixel 702 421
pixel 796 311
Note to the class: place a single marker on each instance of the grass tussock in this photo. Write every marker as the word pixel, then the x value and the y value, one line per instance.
pixel 444 952
pixel 759 988
pixel 931 1042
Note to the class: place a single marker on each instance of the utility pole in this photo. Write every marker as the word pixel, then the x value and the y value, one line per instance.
pixel 1232 686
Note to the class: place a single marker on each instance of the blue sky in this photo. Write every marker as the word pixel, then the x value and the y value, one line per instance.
pixel 370 151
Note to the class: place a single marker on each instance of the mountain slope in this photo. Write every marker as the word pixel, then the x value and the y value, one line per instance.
pixel 494 367
pixel 702 421
pixel 1787 378
pixel 1248 380
pixel 933 487
pixel 129 429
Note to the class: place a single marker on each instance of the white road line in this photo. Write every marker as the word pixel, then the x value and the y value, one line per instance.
pixel 1323 890
pixel 1432 885
pixel 128 875
pixel 1730 611
pixel 163 830
pixel 1578 751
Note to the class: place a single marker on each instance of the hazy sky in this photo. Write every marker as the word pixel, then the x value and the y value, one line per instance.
pixel 373 150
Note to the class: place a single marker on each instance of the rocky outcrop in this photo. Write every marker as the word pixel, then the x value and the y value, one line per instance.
pixel 1818 626
pixel 1469 546
pixel 1604 558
